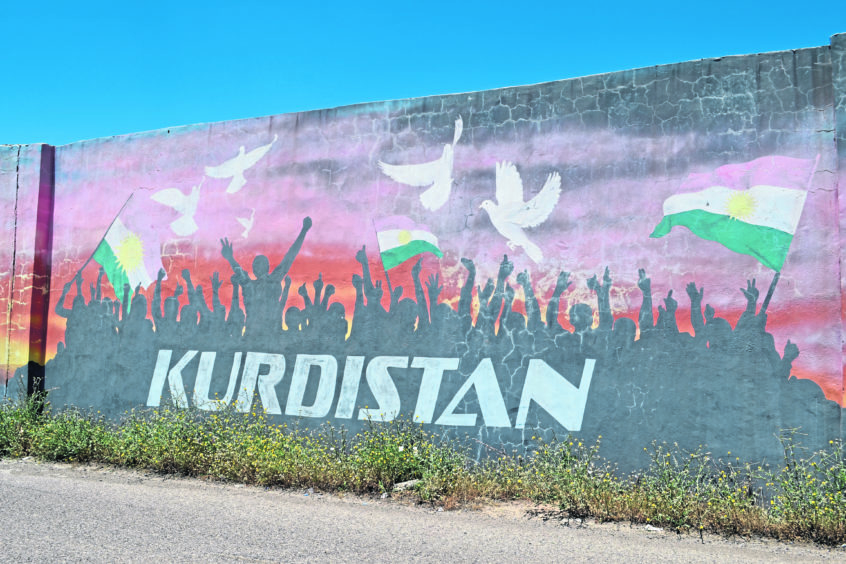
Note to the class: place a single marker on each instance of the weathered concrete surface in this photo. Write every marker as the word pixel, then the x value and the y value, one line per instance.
pixel 75 514
pixel 614 353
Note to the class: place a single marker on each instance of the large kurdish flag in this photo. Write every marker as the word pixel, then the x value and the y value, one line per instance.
pixel 751 208
pixel 400 239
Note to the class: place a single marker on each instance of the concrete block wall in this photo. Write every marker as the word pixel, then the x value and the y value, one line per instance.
pixel 543 303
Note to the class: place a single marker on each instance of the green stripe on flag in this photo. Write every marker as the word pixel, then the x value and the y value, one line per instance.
pixel 114 271
pixel 398 255
pixel 766 244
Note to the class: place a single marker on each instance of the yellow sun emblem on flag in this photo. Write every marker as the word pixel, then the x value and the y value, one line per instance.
pixel 404 237
pixel 740 206
pixel 130 252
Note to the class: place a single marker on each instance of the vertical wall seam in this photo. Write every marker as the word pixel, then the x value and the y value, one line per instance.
pixel 41 269
pixel 837 60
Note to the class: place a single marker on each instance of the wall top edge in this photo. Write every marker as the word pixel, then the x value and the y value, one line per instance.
pixel 23 145
pixel 360 106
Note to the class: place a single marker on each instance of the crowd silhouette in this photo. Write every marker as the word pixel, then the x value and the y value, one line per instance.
pixel 263 315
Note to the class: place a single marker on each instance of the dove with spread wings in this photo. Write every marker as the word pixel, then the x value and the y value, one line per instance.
pixel 436 174
pixel 511 214
pixel 234 168
pixel 185 204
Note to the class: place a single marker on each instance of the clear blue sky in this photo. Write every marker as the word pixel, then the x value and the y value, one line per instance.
pixel 78 70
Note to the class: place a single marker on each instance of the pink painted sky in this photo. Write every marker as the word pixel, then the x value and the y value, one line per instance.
pixel 324 165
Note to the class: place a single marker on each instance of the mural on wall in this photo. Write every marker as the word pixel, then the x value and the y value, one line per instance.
pixel 501 264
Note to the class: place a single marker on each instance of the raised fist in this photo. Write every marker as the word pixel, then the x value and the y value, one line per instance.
pixel 671 304
pixel 506 267
pixel 791 351
pixel 361 255
pixel 644 283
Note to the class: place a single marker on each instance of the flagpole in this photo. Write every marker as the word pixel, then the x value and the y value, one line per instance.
pixel 106 232
pixel 390 290
pixel 387 276
pixel 770 293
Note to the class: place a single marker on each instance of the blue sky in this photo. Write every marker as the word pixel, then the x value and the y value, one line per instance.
pixel 91 69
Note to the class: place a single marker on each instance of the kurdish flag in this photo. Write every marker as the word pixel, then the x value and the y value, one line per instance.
pixel 129 256
pixel 401 239
pixel 751 208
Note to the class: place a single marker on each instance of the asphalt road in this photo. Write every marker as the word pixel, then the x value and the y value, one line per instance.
pixel 57 512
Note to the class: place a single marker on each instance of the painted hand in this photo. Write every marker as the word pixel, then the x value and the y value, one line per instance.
pixel 644 283
pixel 791 351
pixel 226 249
pixel 694 294
pixel 751 292
pixel 562 283
pixel 670 303
pixel 506 267
pixel 361 256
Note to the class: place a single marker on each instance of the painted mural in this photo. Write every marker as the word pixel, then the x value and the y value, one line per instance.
pixel 642 255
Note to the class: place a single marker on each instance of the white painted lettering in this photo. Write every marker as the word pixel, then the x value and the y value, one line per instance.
pixel 383 388
pixel 349 387
pixel 266 382
pixel 430 385
pixel 490 399
pixel 325 387
pixel 553 393
pixel 173 377
pixel 203 382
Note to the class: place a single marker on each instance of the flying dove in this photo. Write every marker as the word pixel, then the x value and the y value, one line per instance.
pixel 436 174
pixel 511 214
pixel 234 168
pixel 186 205
pixel 247 224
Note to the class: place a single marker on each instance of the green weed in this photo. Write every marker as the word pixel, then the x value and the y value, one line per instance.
pixel 802 498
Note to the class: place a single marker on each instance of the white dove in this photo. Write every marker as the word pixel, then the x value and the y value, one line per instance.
pixel 510 214
pixel 186 205
pixel 436 174
pixel 247 224
pixel 234 168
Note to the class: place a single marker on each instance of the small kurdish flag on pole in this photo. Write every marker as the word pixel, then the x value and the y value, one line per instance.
pixel 129 252
pixel 752 208
pixel 400 239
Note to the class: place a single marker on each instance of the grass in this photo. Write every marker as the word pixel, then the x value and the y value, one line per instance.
pixel 803 498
